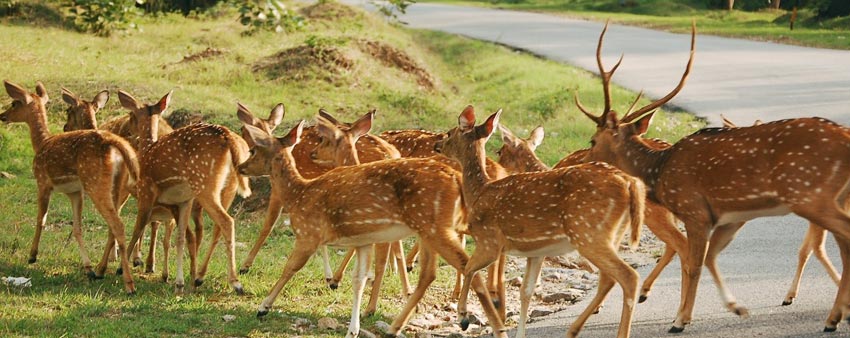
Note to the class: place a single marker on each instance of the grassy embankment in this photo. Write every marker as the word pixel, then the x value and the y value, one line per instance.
pixel 325 65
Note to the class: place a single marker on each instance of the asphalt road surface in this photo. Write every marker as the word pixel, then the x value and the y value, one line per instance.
pixel 744 80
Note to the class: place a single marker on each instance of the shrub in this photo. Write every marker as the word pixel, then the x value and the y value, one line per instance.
pixel 268 15
pixel 103 17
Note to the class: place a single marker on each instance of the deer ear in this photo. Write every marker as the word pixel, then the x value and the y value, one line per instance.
pixel 326 128
pixel 100 99
pixel 69 97
pixel 466 120
pixel 163 103
pixel 642 124
pixel 363 125
pixel 276 116
pixel 726 122
pixel 17 92
pixel 536 137
pixel 758 123
pixel 293 137
pixel 489 126
pixel 508 137
pixel 245 115
pixel 256 136
pixel 128 101
pixel 41 92
pixel 324 113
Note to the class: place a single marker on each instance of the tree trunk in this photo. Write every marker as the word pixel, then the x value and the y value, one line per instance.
pixel 774 4
pixel 730 4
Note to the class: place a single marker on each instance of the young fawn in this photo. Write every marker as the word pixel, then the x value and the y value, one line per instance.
pixel 75 163
pixel 196 163
pixel 548 213
pixel 718 178
pixel 357 206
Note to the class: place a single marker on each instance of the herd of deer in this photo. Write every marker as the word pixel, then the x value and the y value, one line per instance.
pixel 343 186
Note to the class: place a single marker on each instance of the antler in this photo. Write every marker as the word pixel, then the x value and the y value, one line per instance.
pixel 632 106
pixel 606 80
pixel 658 103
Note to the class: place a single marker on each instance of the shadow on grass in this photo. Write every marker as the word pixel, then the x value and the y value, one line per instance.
pixel 33 13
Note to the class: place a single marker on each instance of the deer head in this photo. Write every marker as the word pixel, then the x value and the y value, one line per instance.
pixel 337 145
pixel 145 118
pixel 268 125
pixel 24 103
pixel 613 133
pixel 463 141
pixel 266 148
pixel 517 154
pixel 81 113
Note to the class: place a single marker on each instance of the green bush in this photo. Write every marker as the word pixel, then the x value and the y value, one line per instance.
pixel 268 15
pixel 103 17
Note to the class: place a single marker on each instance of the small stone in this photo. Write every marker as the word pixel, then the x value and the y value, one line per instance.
pixel 228 318
pixel 455 335
pixel 6 175
pixel 302 322
pixel 423 335
pixel 554 277
pixel 474 319
pixel 450 307
pixel 382 327
pixel 536 313
pixel 570 295
pixel 516 281
pixel 328 323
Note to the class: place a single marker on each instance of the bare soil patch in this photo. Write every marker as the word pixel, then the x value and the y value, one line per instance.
pixel 393 57
pixel 329 11
pixel 304 63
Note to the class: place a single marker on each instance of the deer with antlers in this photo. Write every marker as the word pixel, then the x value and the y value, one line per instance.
pixel 369 149
pixel 813 242
pixel 76 164
pixel 718 178
pixel 357 206
pixel 587 208
pixel 81 115
pixel 196 163
pixel 518 155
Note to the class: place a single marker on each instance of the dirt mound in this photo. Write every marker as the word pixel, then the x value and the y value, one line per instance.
pixel 205 54
pixel 329 11
pixel 392 57
pixel 304 62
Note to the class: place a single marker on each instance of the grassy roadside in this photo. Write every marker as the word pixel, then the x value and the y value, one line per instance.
pixel 764 25
pixel 324 65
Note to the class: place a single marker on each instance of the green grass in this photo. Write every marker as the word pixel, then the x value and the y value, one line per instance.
pixel 62 302
pixel 676 16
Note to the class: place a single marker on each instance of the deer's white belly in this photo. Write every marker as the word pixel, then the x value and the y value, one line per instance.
pixel 555 249
pixel 746 215
pixel 387 234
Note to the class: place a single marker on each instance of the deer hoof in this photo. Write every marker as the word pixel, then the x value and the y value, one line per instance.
pixel 240 291
pixel 263 313
pixel 333 285
pixel 828 329
pixel 93 276
pixel 137 262
pixel 243 270
pixel 464 323
pixel 32 260
pixel 199 282
pixel 742 312
pixel 131 293
pixel 788 301
pixel 676 329
pixel 165 278
pixel 119 272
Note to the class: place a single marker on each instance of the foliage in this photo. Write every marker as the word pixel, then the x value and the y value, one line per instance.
pixel 184 6
pixel 103 17
pixel 391 8
pixel 271 15
pixel 8 7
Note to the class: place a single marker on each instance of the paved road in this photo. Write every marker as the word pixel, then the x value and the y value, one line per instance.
pixel 743 79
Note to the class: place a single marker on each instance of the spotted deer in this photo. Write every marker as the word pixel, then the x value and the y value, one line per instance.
pixel 587 208
pixel 81 115
pixel 368 151
pixel 196 163
pixel 414 143
pixel 718 178
pixel 517 155
pixel 75 163
pixel 814 241
pixel 275 204
pixel 357 206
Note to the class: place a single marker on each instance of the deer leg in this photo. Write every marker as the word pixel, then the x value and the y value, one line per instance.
pixel 100 269
pixel 603 288
pixel 326 264
pixel 358 281
pixel 665 259
pixel 459 276
pixel 382 255
pixel 225 223
pixel 166 248
pixel 333 283
pixel 606 259
pixel 398 251
pixel 275 206
pixel 297 258
pixel 427 275
pixel 662 223
pixel 529 282
pixel 43 202
pixel 483 256
pixel 107 209
pixel 805 252
pixel 720 239
pixel 150 261
pixel 77 230
pixel 697 245
pixel 411 256
pixel 202 272
pixel 183 214
pixel 818 242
